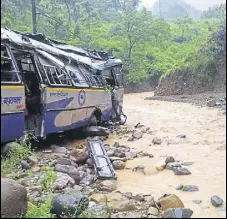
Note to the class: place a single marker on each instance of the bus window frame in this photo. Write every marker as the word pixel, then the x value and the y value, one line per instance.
pixel 11 58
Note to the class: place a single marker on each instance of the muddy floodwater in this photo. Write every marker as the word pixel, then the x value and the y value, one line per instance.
pixel 205 145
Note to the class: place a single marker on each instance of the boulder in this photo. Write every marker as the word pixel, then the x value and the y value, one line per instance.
pixel 178 213
pixel 70 170
pixel 80 156
pixel 13 199
pixel 153 211
pixel 87 179
pixel 69 206
pixel 58 150
pixel 107 185
pixel 138 197
pixel 216 201
pixel 33 160
pixel 171 201
pixel 98 210
pixel 24 165
pixel 63 180
pixel 118 165
pixel 211 102
pixel 110 153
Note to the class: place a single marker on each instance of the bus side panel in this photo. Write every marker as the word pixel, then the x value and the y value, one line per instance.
pixel 100 99
pixel 12 112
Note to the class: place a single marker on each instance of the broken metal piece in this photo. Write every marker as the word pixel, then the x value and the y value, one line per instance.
pixel 102 164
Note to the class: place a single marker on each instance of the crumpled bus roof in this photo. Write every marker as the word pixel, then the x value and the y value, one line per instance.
pixel 57 49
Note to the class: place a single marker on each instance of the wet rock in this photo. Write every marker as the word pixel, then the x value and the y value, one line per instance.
pixel 171 201
pixel 173 165
pixel 149 171
pixel 137 134
pixel 181 171
pixel 190 188
pixel 98 198
pixel 107 185
pixel 181 136
pixel 124 205
pixel 131 138
pixel 119 153
pixel 157 141
pixel 178 213
pixel 211 102
pixel 127 195
pixel 70 170
pixel 69 206
pixel 13 199
pixel 98 210
pixel 80 156
pixel 216 201
pixel 138 197
pixel 179 187
pixel 58 150
pixel 169 160
pixel 63 180
pixel 64 161
pixel 118 165
pixel 87 180
pixel 139 168
pixel 197 201
pixel 24 165
pixel 153 211
pixel 97 131
pixel 110 153
pixel 89 162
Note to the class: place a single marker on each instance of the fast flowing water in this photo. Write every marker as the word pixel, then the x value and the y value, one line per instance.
pixel 205 145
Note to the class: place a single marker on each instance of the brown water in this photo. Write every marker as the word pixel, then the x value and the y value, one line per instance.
pixel 205 145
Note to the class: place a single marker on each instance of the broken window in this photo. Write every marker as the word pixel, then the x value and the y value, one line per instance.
pixel 8 70
pixel 109 77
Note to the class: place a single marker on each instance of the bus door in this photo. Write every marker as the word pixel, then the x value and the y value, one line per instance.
pixel 12 98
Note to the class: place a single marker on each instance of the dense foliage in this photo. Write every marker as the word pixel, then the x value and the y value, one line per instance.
pixel 147 44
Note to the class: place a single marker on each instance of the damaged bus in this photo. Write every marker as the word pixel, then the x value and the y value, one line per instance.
pixel 48 87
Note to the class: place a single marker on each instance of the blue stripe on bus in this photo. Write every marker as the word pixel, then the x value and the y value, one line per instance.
pixel 12 126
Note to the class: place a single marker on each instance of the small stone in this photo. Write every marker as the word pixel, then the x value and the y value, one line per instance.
pixel 98 198
pixel 179 187
pixel 169 160
pixel 24 165
pixel 181 136
pixel 197 201
pixel 110 153
pixel 131 138
pixel 157 141
pixel 153 211
pixel 118 165
pixel 128 195
pixel 137 134
pixel 64 161
pixel 181 171
pixel 89 162
pixel 190 188
pixel 138 197
pixel 173 165
pixel 211 103
pixel 216 201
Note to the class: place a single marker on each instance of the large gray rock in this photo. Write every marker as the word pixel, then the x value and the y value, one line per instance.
pixel 13 199
pixel 70 170
pixel 211 102
pixel 79 156
pixel 68 205
pixel 118 165
pixel 107 185
pixel 178 213
pixel 98 210
pixel 181 171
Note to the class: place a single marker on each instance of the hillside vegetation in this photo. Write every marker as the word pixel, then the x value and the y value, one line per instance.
pixel 148 44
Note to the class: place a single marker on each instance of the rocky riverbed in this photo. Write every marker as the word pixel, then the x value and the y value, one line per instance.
pixel 169 159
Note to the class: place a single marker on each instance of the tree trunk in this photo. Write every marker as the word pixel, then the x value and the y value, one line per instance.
pixel 34 22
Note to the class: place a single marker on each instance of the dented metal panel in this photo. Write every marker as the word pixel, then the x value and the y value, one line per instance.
pixel 102 164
